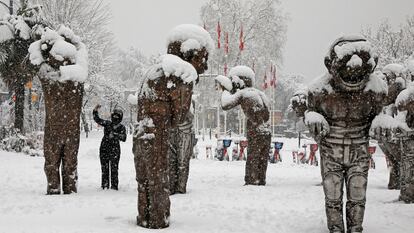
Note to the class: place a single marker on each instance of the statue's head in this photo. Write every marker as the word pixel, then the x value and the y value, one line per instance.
pixel 242 76
pixel 392 72
pixel 350 61
pixel 191 43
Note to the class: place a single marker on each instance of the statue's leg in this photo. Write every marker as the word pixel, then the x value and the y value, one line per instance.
pixel 173 159
pixel 333 182
pixel 152 168
pixel 264 141
pixel 70 164
pixel 407 172
pixel 185 152
pixel 52 153
pixel 252 164
pixel 356 186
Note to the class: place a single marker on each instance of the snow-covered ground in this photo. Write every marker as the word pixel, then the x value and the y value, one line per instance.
pixel 292 201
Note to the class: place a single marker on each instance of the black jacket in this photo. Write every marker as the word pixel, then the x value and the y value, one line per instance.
pixel 113 133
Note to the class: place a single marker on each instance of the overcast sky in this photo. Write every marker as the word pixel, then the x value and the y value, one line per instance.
pixel 313 24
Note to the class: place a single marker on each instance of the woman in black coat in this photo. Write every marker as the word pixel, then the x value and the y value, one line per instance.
pixel 110 150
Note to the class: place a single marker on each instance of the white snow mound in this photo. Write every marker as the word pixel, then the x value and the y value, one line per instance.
pixel 174 65
pixel 242 71
pixel 393 68
pixel 225 82
pixel 188 34
pixel 62 50
pixel 377 84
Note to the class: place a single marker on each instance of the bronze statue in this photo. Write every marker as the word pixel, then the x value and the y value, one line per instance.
pixel 339 109
pixel 255 106
pixel 164 99
pixel 62 59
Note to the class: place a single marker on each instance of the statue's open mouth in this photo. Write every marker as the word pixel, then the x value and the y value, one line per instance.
pixel 353 83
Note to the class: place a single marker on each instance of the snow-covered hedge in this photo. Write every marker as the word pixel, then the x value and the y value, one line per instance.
pixel 11 140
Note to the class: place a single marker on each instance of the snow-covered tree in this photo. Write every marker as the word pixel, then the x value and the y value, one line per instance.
pixel 17 32
pixel 394 45
pixel 128 67
pixel 286 86
pixel 252 32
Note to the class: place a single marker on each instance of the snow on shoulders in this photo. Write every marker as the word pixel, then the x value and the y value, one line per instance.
pixel 174 65
pixel 225 82
pixel 321 84
pixel 228 99
pixel 377 84
pixel 192 37
pixel 6 33
pixel 266 100
pixel 151 73
pixel 242 71
pixel 393 68
pixel 255 95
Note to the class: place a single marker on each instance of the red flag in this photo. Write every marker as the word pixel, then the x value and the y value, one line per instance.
pixel 241 45
pixel 225 69
pixel 218 34
pixel 226 45
pixel 265 82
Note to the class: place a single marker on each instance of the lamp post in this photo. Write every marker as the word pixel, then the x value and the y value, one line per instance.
pixel 9 7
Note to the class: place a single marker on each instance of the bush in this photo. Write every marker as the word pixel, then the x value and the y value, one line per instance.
pixel 11 140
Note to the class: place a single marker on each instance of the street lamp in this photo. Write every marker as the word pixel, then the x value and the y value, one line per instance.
pixel 10 6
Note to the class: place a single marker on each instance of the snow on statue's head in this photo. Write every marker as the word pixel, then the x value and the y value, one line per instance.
pixel 242 76
pixel 393 71
pixel 351 60
pixel 192 43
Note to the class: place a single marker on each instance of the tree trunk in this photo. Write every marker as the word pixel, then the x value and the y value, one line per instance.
pixel 19 106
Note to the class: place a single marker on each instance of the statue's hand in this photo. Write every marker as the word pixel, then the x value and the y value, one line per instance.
pixel 385 127
pixel 317 125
